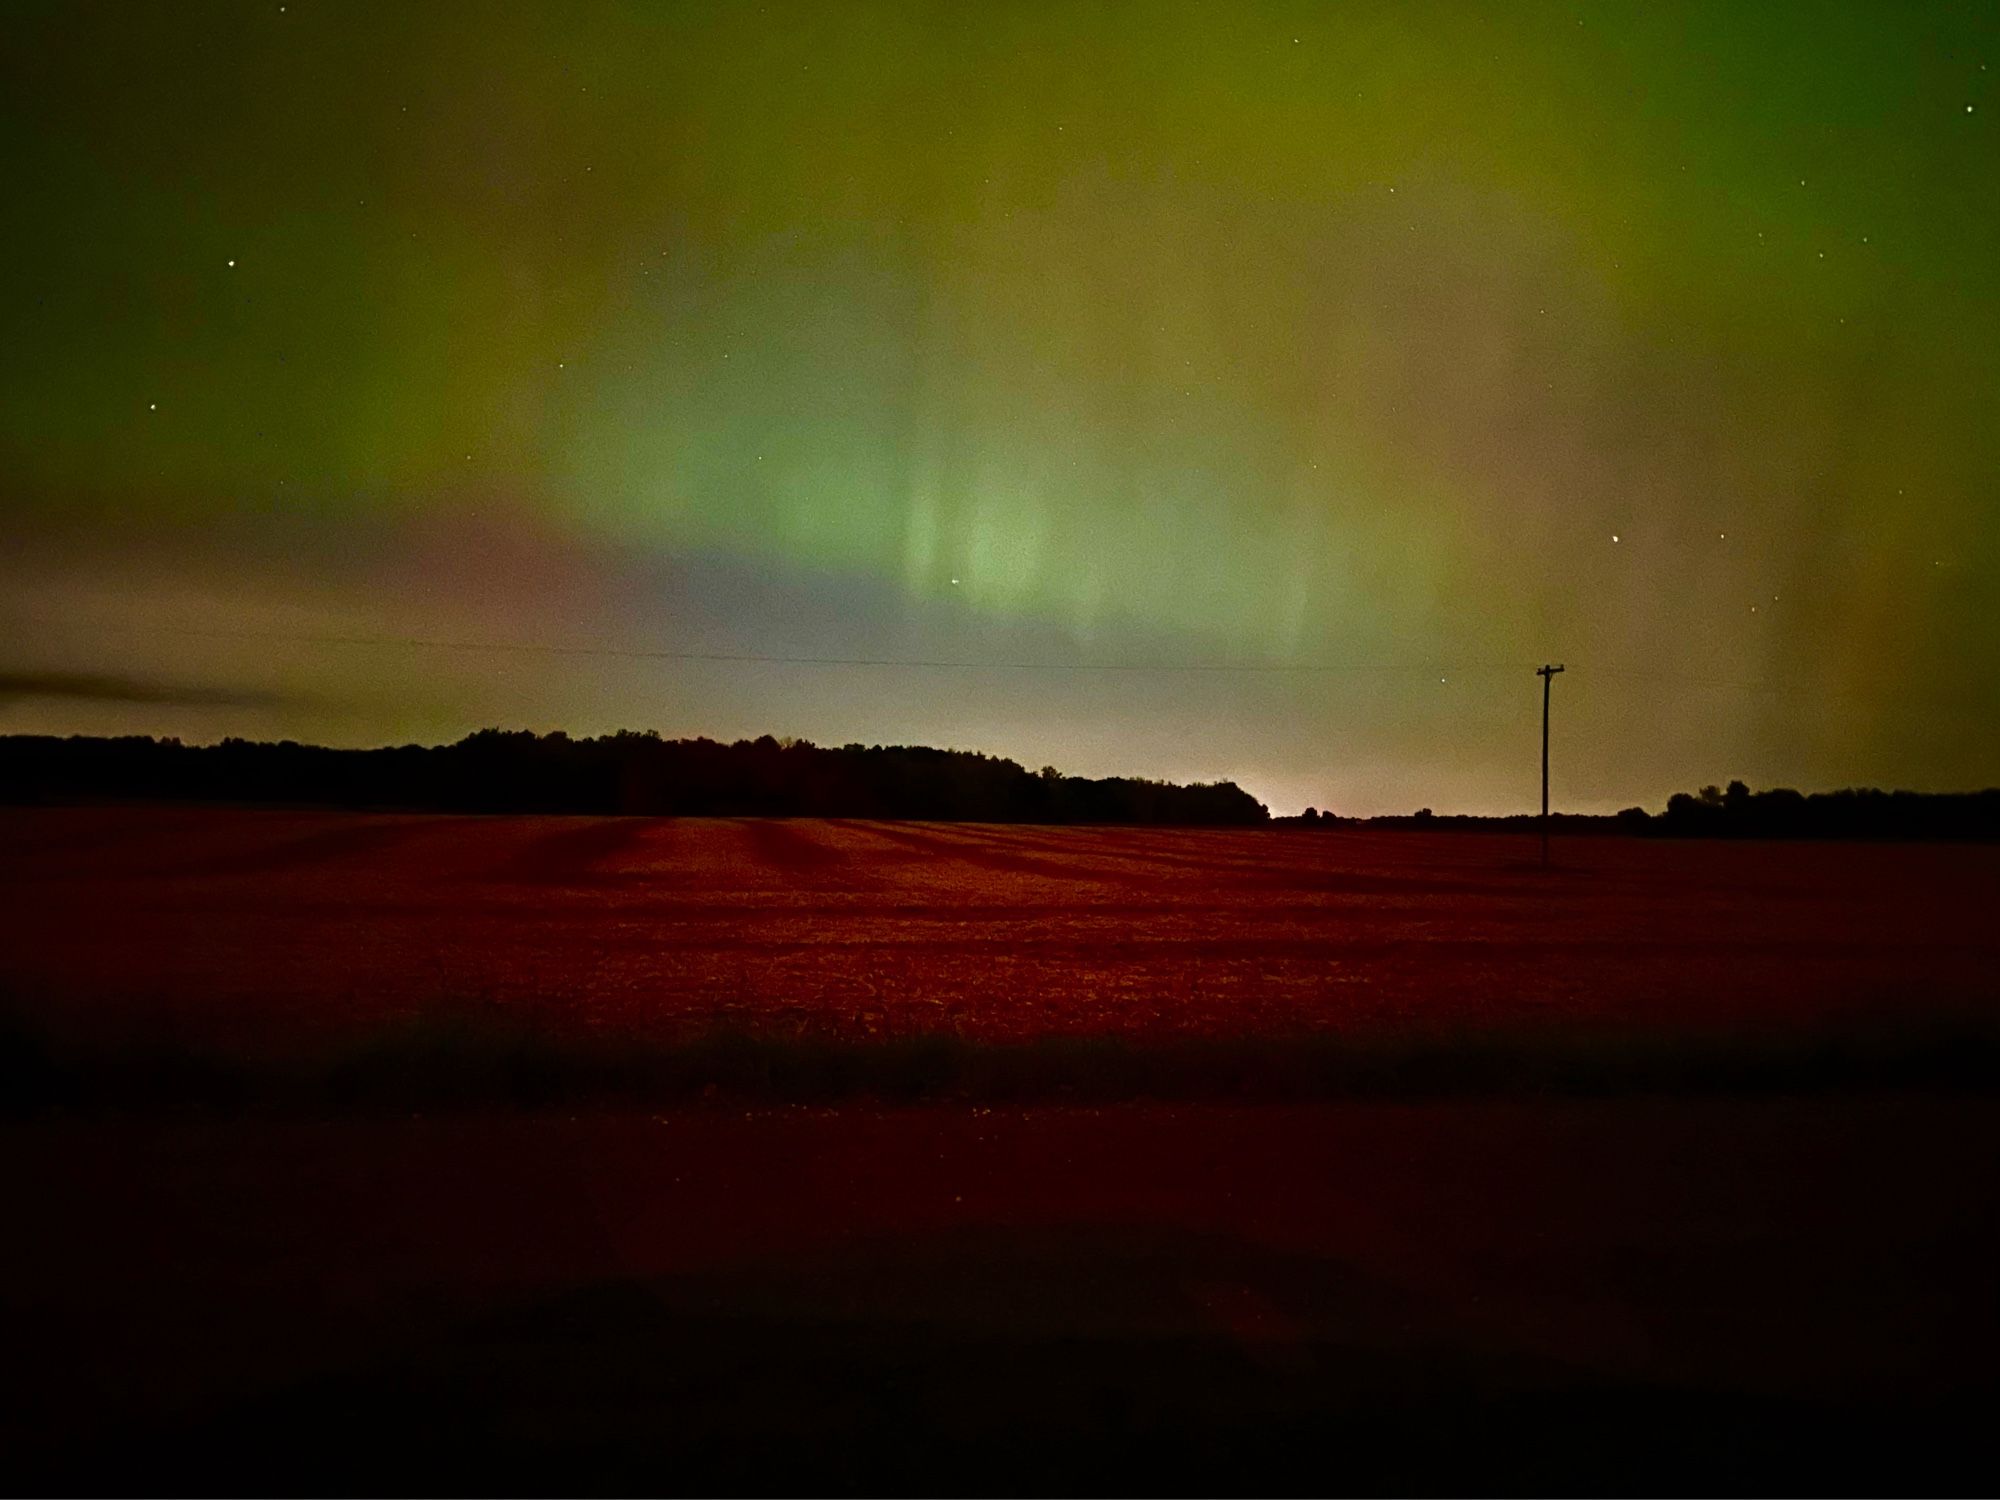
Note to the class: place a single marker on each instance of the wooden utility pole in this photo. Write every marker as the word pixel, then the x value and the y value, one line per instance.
pixel 1548 675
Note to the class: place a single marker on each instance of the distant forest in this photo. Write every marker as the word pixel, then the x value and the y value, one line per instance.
pixel 495 771
pixel 1737 812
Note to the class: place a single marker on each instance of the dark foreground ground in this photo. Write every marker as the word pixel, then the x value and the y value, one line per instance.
pixel 572 1156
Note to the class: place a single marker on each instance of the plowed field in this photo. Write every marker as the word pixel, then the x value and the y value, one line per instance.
pixel 281 925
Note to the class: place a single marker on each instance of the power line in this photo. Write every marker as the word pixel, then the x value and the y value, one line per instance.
pixel 1433 667
pixel 548 648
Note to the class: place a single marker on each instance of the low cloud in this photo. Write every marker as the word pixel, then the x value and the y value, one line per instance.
pixel 102 688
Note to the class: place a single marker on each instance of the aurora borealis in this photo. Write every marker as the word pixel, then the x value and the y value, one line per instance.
pixel 1195 390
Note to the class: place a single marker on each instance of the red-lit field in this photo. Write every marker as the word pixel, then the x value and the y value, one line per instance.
pixel 279 925
pixel 1704 1278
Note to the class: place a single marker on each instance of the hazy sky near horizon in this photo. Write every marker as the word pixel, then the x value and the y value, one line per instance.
pixel 1197 390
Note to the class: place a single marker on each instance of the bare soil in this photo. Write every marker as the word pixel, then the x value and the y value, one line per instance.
pixel 270 927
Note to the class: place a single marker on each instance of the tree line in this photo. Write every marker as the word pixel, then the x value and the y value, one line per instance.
pixel 1735 811
pixel 1862 812
pixel 496 771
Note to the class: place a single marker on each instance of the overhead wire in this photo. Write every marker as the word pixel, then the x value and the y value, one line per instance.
pixel 1444 668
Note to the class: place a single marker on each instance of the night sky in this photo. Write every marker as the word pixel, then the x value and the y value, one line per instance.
pixel 1192 390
